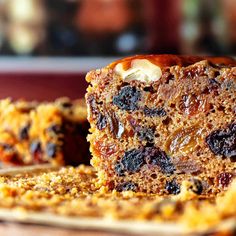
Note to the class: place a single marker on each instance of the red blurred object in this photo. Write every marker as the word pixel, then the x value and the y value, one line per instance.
pixel 46 78
pixel 163 21
pixel 42 86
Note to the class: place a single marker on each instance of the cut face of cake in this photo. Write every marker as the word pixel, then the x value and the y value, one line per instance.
pixel 161 119
pixel 49 132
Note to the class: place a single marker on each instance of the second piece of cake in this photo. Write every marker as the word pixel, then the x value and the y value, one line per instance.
pixel 49 132
pixel 159 120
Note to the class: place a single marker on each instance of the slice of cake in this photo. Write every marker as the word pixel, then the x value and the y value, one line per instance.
pixel 33 133
pixel 159 120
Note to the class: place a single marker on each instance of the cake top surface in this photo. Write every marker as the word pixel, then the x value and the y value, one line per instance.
pixel 167 60
pixel 149 68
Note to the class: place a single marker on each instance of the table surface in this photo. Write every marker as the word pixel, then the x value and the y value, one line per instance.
pixel 14 229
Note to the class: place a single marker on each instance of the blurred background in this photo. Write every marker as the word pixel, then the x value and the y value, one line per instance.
pixel 73 36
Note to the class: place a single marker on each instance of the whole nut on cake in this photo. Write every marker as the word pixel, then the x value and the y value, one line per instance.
pixel 140 69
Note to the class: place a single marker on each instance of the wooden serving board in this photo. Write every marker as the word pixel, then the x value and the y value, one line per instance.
pixel 82 224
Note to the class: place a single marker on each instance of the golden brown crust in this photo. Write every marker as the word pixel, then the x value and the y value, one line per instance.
pixel 167 60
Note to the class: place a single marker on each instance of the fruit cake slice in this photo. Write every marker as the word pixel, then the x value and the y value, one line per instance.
pixel 49 132
pixel 160 119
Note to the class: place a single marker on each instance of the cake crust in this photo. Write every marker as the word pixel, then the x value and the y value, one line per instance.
pixel 168 60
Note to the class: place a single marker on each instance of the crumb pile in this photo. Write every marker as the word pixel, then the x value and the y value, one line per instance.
pixel 75 192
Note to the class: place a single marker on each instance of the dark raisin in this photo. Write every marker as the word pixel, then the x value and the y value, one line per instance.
pixel 152 112
pixel 127 98
pixel 36 151
pixel 7 147
pixel 55 129
pixel 101 122
pixel 224 179
pixel 196 186
pixel 66 104
pixel 223 142
pixel 213 81
pixel 119 169
pixel 35 147
pixel 51 149
pixel 133 160
pixel 24 132
pixel 172 187
pixel 128 186
pixel 155 156
pixel 145 134
pixel 149 89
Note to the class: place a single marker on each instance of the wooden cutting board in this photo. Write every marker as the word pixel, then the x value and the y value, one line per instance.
pixel 14 229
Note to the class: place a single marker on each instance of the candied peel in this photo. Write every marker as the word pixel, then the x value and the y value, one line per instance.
pixel 73 191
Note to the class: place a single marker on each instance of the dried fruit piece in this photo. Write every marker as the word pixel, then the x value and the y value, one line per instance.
pixel 24 132
pixel 51 149
pixel 101 122
pixel 7 147
pixel 223 142
pixel 186 165
pixel 196 186
pixel 127 98
pixel 36 151
pixel 184 140
pixel 172 187
pixel 133 160
pixel 193 104
pixel 224 179
pixel 35 147
pixel 66 104
pixel 119 169
pixel 93 110
pixel 127 186
pixel 156 156
pixel 103 149
pixel 55 129
pixel 145 134
pixel 152 112
pixel 194 71
pixel 115 126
